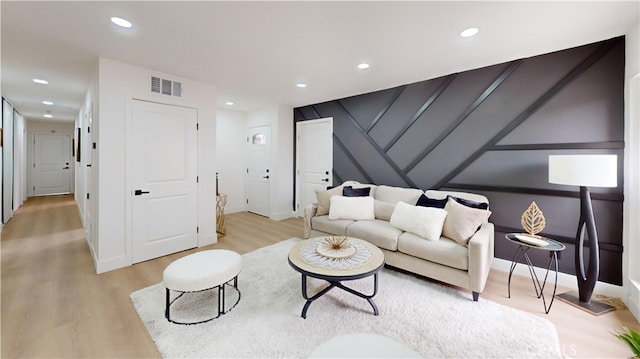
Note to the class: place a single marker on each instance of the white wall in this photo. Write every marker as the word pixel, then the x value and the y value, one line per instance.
pixel 284 163
pixel 631 227
pixel 118 83
pixel 231 158
pixel 42 127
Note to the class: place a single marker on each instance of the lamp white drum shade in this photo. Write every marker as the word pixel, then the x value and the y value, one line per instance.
pixel 584 170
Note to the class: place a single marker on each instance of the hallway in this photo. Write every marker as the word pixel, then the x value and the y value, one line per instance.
pixel 53 302
pixel 55 305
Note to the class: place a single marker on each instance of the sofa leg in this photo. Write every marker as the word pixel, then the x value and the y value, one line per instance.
pixel 476 295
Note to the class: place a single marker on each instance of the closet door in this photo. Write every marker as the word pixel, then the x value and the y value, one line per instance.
pixel 7 161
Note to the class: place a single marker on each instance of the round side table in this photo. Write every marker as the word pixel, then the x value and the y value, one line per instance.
pixel 526 242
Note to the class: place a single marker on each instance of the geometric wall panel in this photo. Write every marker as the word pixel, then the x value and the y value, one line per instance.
pixel 490 131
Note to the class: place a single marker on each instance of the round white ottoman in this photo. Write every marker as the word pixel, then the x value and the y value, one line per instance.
pixel 202 271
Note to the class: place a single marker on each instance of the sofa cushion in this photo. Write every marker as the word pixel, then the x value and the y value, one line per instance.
pixel 349 191
pixel 335 227
pixel 377 232
pixel 324 198
pixel 424 221
pixel 425 201
pixel 383 210
pixel 444 194
pixel 470 203
pixel 444 251
pixel 356 208
pixel 462 221
pixel 357 185
pixel 395 194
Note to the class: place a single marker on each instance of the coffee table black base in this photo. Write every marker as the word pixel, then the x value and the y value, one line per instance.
pixel 338 284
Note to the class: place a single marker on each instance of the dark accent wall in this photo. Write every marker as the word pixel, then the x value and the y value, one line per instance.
pixel 490 131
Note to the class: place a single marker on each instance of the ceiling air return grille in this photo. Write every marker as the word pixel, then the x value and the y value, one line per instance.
pixel 166 87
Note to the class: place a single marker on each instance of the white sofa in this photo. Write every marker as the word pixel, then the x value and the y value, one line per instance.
pixel 394 228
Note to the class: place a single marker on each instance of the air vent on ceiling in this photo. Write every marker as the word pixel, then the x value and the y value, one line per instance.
pixel 166 87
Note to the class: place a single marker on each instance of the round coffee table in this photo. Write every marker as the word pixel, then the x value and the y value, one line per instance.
pixel 367 261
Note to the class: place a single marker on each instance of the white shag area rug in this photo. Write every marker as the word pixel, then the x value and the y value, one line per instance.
pixel 432 319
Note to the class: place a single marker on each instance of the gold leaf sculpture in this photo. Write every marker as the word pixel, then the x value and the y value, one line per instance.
pixel 336 242
pixel 532 219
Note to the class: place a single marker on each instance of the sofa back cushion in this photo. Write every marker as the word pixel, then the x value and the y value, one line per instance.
pixel 383 210
pixel 395 194
pixel 354 208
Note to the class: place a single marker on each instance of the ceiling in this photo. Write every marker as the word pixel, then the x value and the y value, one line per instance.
pixel 256 52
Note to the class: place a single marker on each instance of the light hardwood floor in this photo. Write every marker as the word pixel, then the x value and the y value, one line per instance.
pixel 54 305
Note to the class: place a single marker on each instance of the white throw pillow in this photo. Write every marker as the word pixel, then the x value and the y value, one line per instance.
pixel 355 208
pixel 462 222
pixel 426 222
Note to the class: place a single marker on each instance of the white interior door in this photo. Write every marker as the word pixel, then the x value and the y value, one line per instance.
pixel 7 161
pixel 258 172
pixel 163 179
pixel 315 159
pixel 52 164
pixel 87 158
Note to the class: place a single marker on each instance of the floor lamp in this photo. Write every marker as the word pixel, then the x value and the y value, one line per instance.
pixel 585 171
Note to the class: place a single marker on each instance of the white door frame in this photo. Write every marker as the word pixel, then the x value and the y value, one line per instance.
pixel 299 155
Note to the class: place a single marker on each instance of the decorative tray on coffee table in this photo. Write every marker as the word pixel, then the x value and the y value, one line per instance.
pixel 336 247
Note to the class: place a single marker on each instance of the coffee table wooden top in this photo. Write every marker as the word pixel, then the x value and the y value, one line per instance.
pixel 374 264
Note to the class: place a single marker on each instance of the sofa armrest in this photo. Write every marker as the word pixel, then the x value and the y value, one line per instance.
pixel 309 212
pixel 481 247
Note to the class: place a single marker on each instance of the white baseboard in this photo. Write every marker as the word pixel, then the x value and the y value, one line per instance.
pixel 234 209
pixel 632 298
pixel 282 215
pixel 111 264
pixel 205 240
pixel 565 280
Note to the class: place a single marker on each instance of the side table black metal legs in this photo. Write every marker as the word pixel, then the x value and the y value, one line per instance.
pixel 539 286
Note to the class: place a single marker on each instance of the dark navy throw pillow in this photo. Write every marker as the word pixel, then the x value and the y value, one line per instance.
pixel 470 203
pixel 425 201
pixel 349 191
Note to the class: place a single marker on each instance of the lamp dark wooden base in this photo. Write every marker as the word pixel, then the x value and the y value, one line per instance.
pixel 593 307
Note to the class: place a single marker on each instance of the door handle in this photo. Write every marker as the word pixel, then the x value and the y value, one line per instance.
pixel 139 192
pixel 65 168
pixel 325 180
pixel 267 177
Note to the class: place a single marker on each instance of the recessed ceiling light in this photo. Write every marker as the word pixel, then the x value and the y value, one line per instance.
pixel 47 103
pixel 48 115
pixel 469 32
pixel 301 84
pixel 363 66
pixel 229 103
pixel 121 22
pixel 40 81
